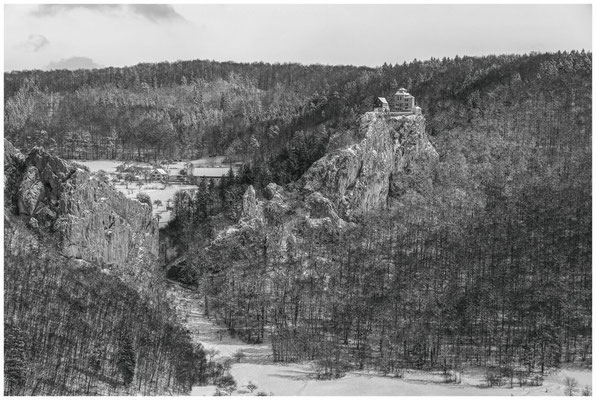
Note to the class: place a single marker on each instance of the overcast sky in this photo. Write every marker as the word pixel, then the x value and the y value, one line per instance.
pixel 87 36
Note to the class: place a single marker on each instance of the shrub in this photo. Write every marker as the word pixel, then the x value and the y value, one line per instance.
pixel 251 386
pixel 492 378
pixel 144 198
pixel 570 386
pixel 226 382
pixel 239 355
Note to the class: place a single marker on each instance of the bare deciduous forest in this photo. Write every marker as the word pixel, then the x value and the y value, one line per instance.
pixel 480 258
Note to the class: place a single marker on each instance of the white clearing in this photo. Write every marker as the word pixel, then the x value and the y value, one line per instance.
pixel 209 167
pixel 156 191
pixel 297 379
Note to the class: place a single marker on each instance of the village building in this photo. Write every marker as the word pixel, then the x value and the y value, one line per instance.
pixel 158 174
pixel 381 104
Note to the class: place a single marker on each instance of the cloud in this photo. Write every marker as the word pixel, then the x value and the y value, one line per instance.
pixel 156 12
pixel 73 63
pixel 34 43
pixel 49 10
pixel 152 12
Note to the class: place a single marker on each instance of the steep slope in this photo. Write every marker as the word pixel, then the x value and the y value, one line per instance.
pixel 92 221
pixel 85 309
pixel 279 234
pixel 352 180
pixel 357 178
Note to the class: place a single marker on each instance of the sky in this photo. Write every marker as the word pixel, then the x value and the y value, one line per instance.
pixel 52 36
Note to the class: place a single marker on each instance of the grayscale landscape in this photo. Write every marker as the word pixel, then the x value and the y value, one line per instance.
pixel 297 200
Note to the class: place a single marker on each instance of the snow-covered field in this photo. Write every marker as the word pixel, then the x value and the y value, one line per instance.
pixel 209 161
pixel 158 191
pixel 108 166
pixel 213 166
pixel 297 379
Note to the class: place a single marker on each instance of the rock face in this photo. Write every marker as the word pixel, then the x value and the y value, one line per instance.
pixel 252 210
pixel 381 161
pixel 349 181
pixel 357 178
pixel 11 154
pixel 91 220
pixel 31 192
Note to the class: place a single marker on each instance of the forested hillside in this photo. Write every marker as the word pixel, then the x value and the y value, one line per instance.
pixel 480 259
pixel 74 330
pixel 85 311
pixel 282 115
pixel 166 110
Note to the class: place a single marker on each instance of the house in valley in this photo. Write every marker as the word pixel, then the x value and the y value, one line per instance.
pixel 158 174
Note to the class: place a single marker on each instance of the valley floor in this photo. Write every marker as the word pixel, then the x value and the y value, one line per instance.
pixel 297 379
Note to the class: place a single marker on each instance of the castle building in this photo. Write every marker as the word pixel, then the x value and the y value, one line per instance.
pixel 380 104
pixel 403 101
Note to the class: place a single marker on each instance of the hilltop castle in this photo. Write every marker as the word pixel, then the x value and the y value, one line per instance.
pixel 402 103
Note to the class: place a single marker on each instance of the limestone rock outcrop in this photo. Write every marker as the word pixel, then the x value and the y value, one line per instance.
pixel 31 192
pixel 357 178
pixel 89 219
pixel 11 154
pixel 346 182
pixel 252 210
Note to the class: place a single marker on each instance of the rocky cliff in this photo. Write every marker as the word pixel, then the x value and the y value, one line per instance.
pixel 347 182
pixel 87 218
pixel 357 178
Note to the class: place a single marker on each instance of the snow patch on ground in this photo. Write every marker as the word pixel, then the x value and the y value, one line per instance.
pixel 298 379
pixel 108 166
pixel 205 166
pixel 156 191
